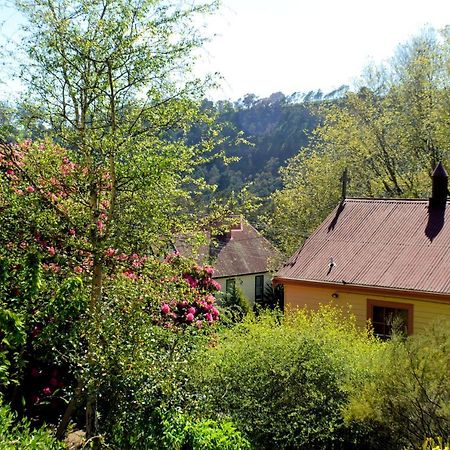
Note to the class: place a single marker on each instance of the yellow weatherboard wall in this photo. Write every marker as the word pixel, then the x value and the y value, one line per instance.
pixel 425 311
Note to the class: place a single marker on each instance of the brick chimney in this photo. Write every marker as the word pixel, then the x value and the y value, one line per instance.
pixel 440 187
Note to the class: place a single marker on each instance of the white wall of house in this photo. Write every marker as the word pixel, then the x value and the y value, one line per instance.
pixel 246 283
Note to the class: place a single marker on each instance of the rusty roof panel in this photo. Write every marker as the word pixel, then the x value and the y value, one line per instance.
pixel 400 244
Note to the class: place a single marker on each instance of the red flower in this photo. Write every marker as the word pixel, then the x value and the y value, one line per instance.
pixel 190 317
pixel 165 308
pixel 30 189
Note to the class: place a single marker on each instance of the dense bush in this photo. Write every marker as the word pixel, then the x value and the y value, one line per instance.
pixel 410 389
pixel 15 434
pixel 150 328
pixel 183 433
pixel 235 305
pixel 284 384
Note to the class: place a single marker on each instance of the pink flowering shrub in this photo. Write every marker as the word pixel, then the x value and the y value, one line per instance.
pixel 197 288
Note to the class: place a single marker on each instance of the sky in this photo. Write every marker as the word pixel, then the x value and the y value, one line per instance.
pixel 265 46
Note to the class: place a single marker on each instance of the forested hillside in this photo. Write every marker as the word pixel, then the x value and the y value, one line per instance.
pixel 263 133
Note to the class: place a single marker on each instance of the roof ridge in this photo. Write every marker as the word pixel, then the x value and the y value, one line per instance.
pixel 384 199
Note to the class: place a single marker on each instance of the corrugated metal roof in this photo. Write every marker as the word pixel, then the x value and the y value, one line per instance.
pixel 398 244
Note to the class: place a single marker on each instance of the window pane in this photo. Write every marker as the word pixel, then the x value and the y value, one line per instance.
pixel 387 320
pixel 230 285
pixel 259 287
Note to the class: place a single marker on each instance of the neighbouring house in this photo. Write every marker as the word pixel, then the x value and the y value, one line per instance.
pixel 387 259
pixel 241 258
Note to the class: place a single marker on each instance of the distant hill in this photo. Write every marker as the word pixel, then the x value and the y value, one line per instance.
pixel 275 127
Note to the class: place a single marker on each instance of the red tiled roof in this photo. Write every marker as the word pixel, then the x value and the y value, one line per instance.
pixel 244 251
pixel 394 244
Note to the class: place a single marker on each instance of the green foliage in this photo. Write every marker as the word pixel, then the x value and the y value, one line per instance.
pixel 17 435
pixel 12 339
pixel 183 433
pixel 103 80
pixel 283 383
pixel 410 389
pixel 235 305
pixel 436 444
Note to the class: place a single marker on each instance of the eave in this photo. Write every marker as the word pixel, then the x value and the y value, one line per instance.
pixel 361 289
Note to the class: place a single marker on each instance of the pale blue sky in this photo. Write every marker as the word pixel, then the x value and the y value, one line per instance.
pixel 264 46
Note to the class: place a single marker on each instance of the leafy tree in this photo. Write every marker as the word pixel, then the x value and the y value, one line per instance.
pixel 107 80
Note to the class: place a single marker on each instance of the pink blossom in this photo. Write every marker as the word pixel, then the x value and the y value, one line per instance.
pixel 209 317
pixel 130 274
pixel 78 269
pixel 30 189
pixel 47 390
pixel 100 226
pixel 18 191
pixel 193 282
pixel 216 285
pixel 122 257
pixel 72 232
pixel 209 270
pixel 10 172
pixel 51 251
pixel 190 317
pixel 165 308
pixel 199 324
pixel 215 312
pixel 110 252
pixel 192 310
pixel 55 268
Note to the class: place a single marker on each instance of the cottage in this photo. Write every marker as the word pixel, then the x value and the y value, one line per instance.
pixel 387 259
pixel 241 258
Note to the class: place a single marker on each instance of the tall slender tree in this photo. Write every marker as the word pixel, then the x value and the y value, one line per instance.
pixel 110 81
